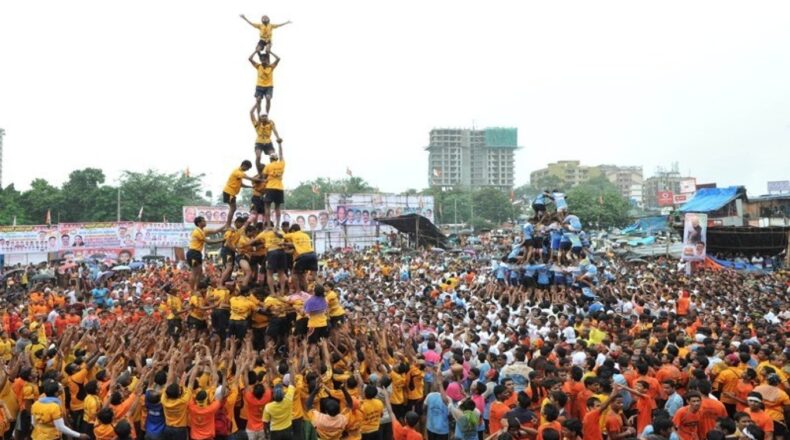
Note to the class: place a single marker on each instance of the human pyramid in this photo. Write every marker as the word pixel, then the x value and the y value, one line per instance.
pixel 260 245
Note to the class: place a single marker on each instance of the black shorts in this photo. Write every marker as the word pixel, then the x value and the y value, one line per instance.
pixel 267 148
pixel 276 196
pixel 259 338
pixel 300 328
pixel 537 242
pixel 317 334
pixel 538 207
pixel 219 320
pixel 565 245
pixel 336 321
pixel 306 262
pixel 289 261
pixel 264 92
pixel 263 43
pixel 276 260
pixel 196 324
pixel 227 255
pixel 194 258
pixel 258 260
pixel 257 204
pixel 174 326
pixel 237 328
pixel 278 327
pixel 227 198
pixel 780 430
pixel 416 406
pixel 399 410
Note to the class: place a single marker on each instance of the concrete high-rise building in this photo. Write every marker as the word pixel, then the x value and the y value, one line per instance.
pixel 469 158
pixel 571 172
pixel 2 133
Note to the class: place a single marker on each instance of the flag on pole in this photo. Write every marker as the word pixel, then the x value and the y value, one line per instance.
pixel 512 196
pixel 437 172
pixel 164 219
pixel 348 171
pixel 600 199
pixel 186 172
pixel 48 220
pixel 14 220
pixel 140 214
pixel 316 189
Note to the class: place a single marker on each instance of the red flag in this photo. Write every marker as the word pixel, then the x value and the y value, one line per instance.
pixel 186 172
pixel 512 196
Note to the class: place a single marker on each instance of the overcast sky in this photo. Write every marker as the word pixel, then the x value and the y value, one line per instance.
pixel 166 85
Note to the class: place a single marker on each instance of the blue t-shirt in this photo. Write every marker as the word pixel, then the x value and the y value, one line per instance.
pixel 99 295
pixel 540 199
pixel 155 420
pixel 559 201
pixel 437 414
pixel 574 221
pixel 528 230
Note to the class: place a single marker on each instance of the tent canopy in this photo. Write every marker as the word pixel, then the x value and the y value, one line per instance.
pixel 712 199
pixel 407 224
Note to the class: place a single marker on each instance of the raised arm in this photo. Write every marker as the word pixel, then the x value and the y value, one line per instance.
pixel 280 149
pixel 252 61
pixel 276 59
pixel 253 117
pixel 276 135
pixel 275 26
pixel 248 21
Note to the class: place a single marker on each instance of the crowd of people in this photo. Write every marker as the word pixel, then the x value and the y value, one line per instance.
pixel 535 337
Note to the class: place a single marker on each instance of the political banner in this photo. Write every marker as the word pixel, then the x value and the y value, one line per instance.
pixel 665 198
pixel 216 216
pixel 28 239
pixel 119 255
pixel 363 209
pixel 95 235
pixel 162 235
pixel 695 228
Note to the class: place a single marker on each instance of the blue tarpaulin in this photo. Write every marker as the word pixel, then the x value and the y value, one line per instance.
pixel 648 225
pixel 737 266
pixel 710 199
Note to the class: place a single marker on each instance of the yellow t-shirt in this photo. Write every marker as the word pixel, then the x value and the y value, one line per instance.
pixel 276 306
pixel 265 31
pixel 176 409
pixel 272 241
pixel 259 320
pixel 301 241
pixel 259 187
pixel 44 416
pixel 279 413
pixel 92 406
pixel 220 298
pixel 232 238
pixel 233 185
pixel 274 175
pixel 240 308
pixel 317 320
pixel 6 353
pixel 265 76
pixel 372 409
pixel 333 303
pixel 197 240
pixel 174 305
pixel 80 378
pixel 195 303
pixel 264 132
pixel 398 385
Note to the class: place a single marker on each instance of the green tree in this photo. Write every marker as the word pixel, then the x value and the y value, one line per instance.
pixel 40 198
pixel 598 202
pixel 492 205
pixel 161 195
pixel 83 199
pixel 11 206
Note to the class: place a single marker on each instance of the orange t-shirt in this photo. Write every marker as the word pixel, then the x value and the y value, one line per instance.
pixel 201 420
pixel 497 412
pixel 683 305
pixel 400 432
pixel 762 420
pixel 687 423
pixel 645 406
pixel 555 425
pixel 591 428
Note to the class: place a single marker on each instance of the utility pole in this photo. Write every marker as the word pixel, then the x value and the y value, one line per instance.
pixel 119 203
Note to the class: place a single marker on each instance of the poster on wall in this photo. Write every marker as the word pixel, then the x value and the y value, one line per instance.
pixel 216 216
pixel 363 209
pixel 118 255
pixel 688 186
pixel 162 235
pixel 28 239
pixel 695 228
pixel 95 235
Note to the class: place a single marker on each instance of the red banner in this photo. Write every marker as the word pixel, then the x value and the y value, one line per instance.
pixel 665 198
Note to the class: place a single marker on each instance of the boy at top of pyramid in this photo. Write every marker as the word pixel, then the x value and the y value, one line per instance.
pixel 265 27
